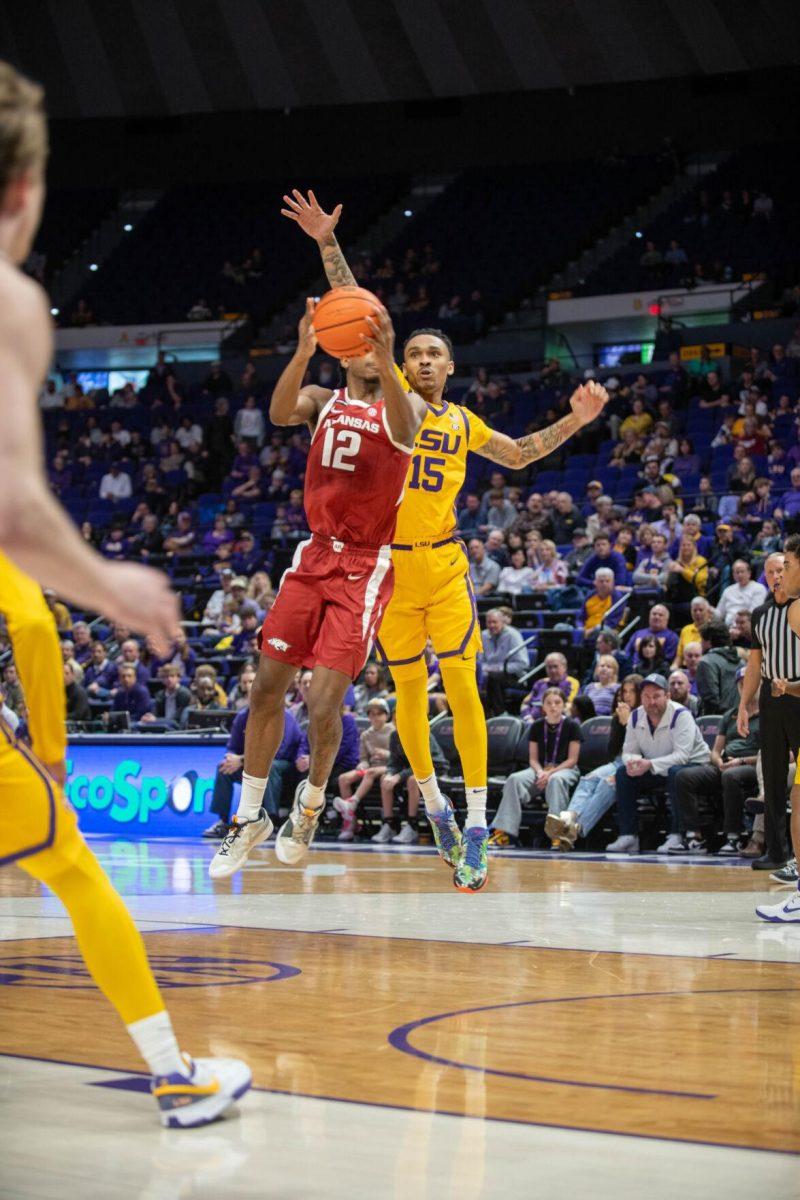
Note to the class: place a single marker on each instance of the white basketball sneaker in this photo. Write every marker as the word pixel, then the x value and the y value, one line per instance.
pixel 238 844
pixel 209 1086
pixel 297 832
pixel 786 912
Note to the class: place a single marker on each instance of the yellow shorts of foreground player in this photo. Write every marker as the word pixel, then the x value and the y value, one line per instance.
pixel 432 598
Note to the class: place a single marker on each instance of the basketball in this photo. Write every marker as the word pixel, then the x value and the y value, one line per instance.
pixel 340 321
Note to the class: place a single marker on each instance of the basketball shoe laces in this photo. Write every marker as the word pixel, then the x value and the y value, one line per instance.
pixel 229 841
pixel 472 855
pixel 305 824
pixel 447 837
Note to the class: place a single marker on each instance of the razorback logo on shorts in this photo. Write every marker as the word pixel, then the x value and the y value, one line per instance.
pixel 278 643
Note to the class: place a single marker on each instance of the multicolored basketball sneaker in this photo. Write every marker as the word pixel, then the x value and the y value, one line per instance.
pixel 209 1086
pixel 473 870
pixel 446 834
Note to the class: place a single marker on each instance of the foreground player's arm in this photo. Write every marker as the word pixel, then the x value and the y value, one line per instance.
pixel 405 411
pixel 291 403
pixel 587 402
pixel 320 225
pixel 35 531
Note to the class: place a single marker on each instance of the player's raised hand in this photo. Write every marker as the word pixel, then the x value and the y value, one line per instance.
pixel 142 599
pixel 588 401
pixel 306 337
pixel 309 216
pixel 381 341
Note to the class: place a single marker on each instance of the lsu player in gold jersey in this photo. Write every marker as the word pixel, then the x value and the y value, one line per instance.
pixel 39 544
pixel 433 595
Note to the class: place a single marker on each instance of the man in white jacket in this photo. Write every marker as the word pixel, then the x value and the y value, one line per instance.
pixel 744 594
pixel 662 737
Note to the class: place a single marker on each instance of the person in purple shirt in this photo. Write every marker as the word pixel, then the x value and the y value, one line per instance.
pixel 218 535
pixel 556 676
pixel 349 748
pixel 60 475
pixel 101 674
pixel 82 642
pixel 244 460
pixel 289 757
pixel 603 556
pixel 790 501
pixel 657 626
pixel 130 656
pixel 294 517
pixel 116 544
pixel 131 697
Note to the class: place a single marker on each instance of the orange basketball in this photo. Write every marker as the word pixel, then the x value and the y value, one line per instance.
pixel 339 321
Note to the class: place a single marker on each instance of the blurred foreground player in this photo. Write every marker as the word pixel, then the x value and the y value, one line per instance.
pixel 433 595
pixel 332 598
pixel 38 830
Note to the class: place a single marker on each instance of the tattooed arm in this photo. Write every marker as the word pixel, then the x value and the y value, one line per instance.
pixel 320 226
pixel 587 402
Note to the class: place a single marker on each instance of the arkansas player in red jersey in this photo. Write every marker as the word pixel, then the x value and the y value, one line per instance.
pixel 331 599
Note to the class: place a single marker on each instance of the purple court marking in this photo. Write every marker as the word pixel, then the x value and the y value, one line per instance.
pixel 171 970
pixel 399 1039
pixel 449 1112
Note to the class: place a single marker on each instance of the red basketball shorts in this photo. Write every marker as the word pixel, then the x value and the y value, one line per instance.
pixel 329 606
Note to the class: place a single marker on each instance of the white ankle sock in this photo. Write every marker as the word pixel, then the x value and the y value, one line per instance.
pixel 476 808
pixel 252 797
pixel 313 796
pixel 155 1041
pixel 434 800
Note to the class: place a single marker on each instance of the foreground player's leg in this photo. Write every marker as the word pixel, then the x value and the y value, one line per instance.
pixel 325 699
pixel 263 735
pixel 788 912
pixel 411 718
pixel 469 731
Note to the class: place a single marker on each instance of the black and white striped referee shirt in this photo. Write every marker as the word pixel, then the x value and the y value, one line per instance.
pixel 779 646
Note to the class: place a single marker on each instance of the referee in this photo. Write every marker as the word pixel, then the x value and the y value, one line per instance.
pixel 775 655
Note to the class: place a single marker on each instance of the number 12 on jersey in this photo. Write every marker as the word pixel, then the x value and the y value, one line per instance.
pixel 338 447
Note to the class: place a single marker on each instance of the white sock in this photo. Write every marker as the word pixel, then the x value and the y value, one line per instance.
pixel 434 800
pixel 252 797
pixel 476 808
pixel 313 796
pixel 155 1041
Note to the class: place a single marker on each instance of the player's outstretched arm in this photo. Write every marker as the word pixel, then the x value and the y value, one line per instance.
pixel 291 403
pixel 587 402
pixel 35 532
pixel 320 225
pixel 405 411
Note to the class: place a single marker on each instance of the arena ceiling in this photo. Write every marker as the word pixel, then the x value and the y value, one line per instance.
pixel 152 58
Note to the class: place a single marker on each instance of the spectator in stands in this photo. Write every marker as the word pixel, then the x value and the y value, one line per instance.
pixel 499 513
pixel 229 771
pixel 701 612
pixel 130 655
pixel 181 540
pixel 603 688
pixel 744 594
pixel 149 540
pixel 742 631
pixel 218 534
pixel 295 516
pixel 533 516
pixel 115 484
pixel 253 487
pixel 239 695
pixel 680 690
pixel 484 571
pixel 605 557
pixel 639 420
pixel 100 675
pixel 789 508
pixel 565 519
pixel 249 425
pixel 649 657
pixel 505 659
pixel 218 382
pixel 469 517
pixel 597 604
pixel 555 742
pixel 170 704
pixel 578 556
pixel 686 577
pixel 371 687
pixel 727 548
pixel 651 262
pixel 730 775
pixel 82 642
pixel 550 570
pixel 78 707
pixel 689 661
pixel 661 739
pixel 653 567
pixel 518 577
pixel 556 676
pixel 204 695
pixel 658 626
pixel 131 696
pixel 372 766
pixel 717 669
pixel 596 792
pixel 598 522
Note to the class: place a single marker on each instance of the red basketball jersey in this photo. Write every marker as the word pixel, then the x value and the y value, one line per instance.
pixel 355 473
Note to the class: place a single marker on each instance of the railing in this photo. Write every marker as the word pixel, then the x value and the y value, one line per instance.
pixel 728 298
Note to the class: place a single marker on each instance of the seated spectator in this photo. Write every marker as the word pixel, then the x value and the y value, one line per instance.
pixel 742 631
pixel 639 420
pixel 687 577
pixel 218 534
pixel 149 540
pixel 518 577
pixel 206 671
pixel 688 662
pixel 505 658
pixel 730 775
pixel 229 771
pixel 556 676
pixel 183 537
pixel 59 610
pixel 371 687
pixel 649 657
pixel 115 484
pixel 581 709
pixel 212 614
pixel 658 626
pixel 398 773
pixel 78 707
pixel 218 382
pixel 483 570
pixel 253 488
pixel 170 703
pixel 130 655
pixel 565 518
pixel 116 544
pixel 204 697
pixel 744 594
pixel 686 461
pixel 717 669
pixel 469 517
pixel 555 743
pixel 249 425
pixel 239 695
pixel 498 512
pixel 595 607
pixel 680 690
pixel 767 541
pixel 100 675
pixel 603 556
pixel 661 740
pixel 579 555
pixel 596 792
pixel 131 696
pixel 603 688
pixel 550 570
pixel 789 507
pixel 651 571
pixel 533 516
pixel 294 516
pixel 372 766
pixel 82 643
